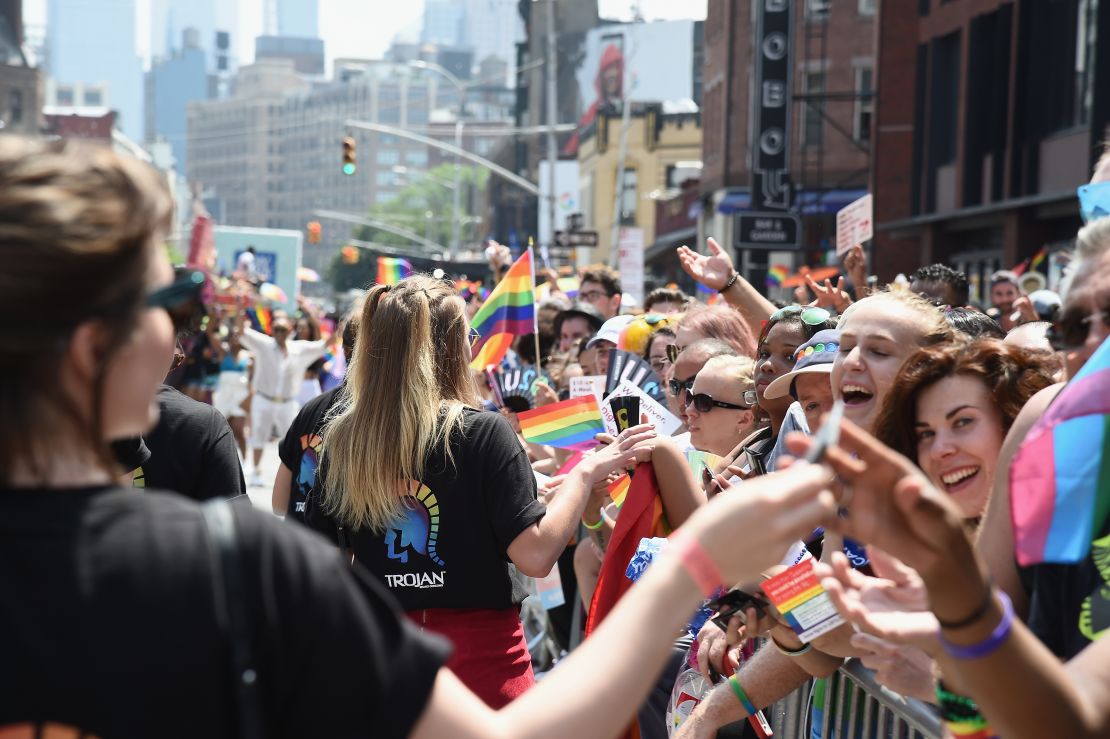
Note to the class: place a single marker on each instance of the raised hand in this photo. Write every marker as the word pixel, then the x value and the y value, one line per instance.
pixel 829 296
pixel 893 606
pixel 905 670
pixel 632 446
pixel 713 270
pixel 855 264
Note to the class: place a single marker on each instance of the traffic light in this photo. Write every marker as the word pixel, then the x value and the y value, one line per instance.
pixel 313 232
pixel 350 156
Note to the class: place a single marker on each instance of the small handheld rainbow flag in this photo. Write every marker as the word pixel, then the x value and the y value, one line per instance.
pixel 392 270
pixel 1038 259
pixel 509 311
pixel 618 490
pixel 260 319
pixel 569 424
pixel 1060 477
pixel 776 273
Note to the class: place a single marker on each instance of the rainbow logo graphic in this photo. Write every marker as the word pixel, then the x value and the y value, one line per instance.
pixel 417 530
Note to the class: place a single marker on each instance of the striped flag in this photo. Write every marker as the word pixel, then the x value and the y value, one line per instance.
pixel 392 270
pixel 508 312
pixel 1060 477
pixel 568 424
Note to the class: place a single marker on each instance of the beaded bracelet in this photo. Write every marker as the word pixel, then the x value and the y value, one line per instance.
pixel 730 283
pixel 992 642
pixel 961 715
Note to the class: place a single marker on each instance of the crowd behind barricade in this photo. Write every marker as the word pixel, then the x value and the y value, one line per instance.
pixel 716 504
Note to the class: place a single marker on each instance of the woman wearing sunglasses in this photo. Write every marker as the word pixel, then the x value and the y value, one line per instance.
pixel 114 595
pixel 720 408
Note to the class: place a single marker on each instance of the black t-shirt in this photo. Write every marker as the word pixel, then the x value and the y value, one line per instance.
pixel 1069 605
pixel 110 624
pixel 300 450
pixel 450 550
pixel 192 451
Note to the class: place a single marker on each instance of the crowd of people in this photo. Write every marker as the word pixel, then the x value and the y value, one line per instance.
pixel 416 512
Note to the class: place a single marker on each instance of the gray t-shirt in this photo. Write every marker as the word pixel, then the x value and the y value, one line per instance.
pixel 795 421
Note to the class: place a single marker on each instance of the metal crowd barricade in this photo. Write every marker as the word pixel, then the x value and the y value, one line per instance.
pixel 855 707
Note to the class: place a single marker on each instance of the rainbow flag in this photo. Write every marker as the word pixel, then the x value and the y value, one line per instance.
pixel 392 270
pixel 776 273
pixel 567 285
pixel 569 424
pixel 699 460
pixel 618 490
pixel 1038 259
pixel 1060 477
pixel 509 311
pixel 260 319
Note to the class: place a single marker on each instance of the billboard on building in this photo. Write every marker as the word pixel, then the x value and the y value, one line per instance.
pixel 277 255
pixel 655 61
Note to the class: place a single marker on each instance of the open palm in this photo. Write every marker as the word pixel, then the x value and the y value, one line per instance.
pixel 713 270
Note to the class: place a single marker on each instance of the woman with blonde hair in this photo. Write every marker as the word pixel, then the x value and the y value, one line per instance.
pixel 434 496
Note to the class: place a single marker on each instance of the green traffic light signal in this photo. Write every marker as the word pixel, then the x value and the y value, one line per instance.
pixel 348 168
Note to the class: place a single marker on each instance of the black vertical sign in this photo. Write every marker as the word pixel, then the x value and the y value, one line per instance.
pixel 772 100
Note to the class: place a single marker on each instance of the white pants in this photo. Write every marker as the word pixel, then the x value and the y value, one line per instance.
pixel 266 414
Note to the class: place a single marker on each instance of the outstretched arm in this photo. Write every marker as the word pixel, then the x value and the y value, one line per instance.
pixel 715 270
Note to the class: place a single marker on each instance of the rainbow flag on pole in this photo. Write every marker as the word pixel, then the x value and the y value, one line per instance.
pixel 776 273
pixel 509 311
pixel 1060 477
pixel 569 424
pixel 392 270
pixel 1038 259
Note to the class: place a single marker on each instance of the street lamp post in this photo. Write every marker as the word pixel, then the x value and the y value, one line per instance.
pixel 460 88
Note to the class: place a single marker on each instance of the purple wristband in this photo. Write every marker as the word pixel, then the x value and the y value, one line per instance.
pixel 992 642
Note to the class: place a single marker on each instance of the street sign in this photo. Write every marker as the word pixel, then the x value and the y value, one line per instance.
pixel 780 231
pixel 854 225
pixel 576 238
pixel 575 221
pixel 772 107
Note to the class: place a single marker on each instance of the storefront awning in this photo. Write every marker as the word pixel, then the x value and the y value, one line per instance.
pixel 809 203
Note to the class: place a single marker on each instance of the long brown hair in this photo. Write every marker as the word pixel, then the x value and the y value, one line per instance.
pixel 1011 375
pixel 78 224
pixel 408 384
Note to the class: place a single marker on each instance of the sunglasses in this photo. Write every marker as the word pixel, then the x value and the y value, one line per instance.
pixel 473 336
pixel 810 315
pixel 673 350
pixel 1070 330
pixel 703 402
pixel 677 386
pixel 182 300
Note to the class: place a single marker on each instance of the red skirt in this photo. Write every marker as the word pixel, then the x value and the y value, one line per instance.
pixel 490 653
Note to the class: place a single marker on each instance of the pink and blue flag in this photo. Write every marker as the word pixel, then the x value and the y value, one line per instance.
pixel 1060 477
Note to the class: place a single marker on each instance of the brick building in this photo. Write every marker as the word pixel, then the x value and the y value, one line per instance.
pixel 991 114
pixel 832 67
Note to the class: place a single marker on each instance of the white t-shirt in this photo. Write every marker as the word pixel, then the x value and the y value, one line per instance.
pixel 277 373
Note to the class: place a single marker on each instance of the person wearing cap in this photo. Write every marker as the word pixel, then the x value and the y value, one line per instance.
pixel 279 366
pixel 607 338
pixel 580 321
pixel 809 383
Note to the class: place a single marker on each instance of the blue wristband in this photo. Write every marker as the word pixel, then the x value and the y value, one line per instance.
pixel 992 642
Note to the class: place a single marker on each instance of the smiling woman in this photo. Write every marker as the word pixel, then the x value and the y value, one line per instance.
pixel 950 408
pixel 878 334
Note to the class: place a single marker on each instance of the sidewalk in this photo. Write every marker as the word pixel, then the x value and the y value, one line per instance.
pixel 260 496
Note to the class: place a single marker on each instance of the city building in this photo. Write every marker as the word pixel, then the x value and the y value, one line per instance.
pixel 270 155
pixel 307 54
pixel 171 84
pixel 20 83
pixel 832 64
pixel 295 18
pixel 92 42
pixel 444 23
pixel 663 151
pixel 990 117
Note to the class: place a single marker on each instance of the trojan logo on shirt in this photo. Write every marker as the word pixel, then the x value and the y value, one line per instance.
pixel 306 477
pixel 1094 616
pixel 413 538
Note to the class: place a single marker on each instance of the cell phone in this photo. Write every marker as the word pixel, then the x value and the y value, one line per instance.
pixel 828 435
pixel 735 602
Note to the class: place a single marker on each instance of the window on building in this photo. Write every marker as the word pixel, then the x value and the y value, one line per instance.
pixel 818 10
pixel 15 106
pixel 384 178
pixel 865 105
pixel 93 97
pixel 64 95
pixel 629 198
pixel 867 7
pixel 383 196
pixel 813 126
pixel 416 158
pixel 388 156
